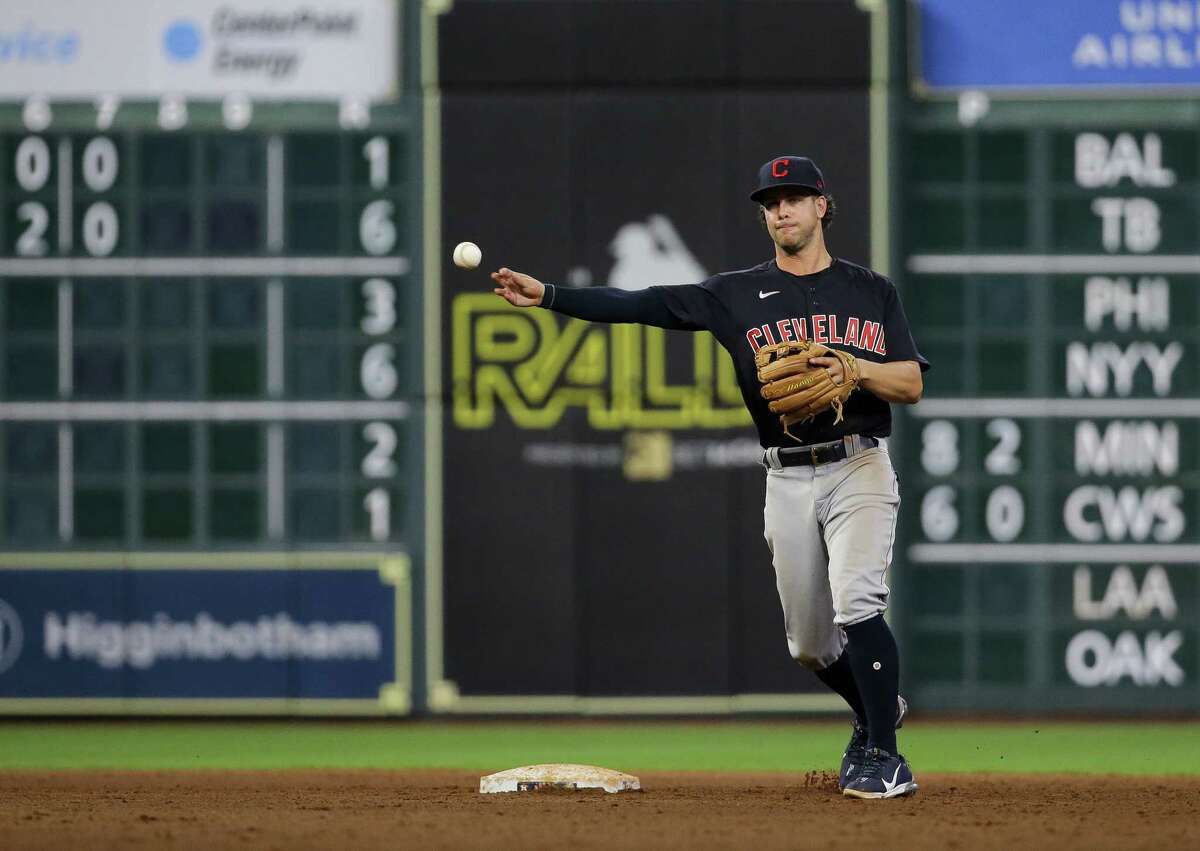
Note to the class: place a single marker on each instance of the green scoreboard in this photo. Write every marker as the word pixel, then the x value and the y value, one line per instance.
pixel 210 330
pixel 1050 254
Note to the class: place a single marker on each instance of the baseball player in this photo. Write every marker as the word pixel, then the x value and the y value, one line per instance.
pixel 821 346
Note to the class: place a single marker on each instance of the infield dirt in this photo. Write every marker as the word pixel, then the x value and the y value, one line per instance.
pixel 423 809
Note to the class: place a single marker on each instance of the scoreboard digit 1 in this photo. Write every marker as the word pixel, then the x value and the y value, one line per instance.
pixel 210 331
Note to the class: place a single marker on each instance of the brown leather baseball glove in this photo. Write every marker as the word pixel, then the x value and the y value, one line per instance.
pixel 798 391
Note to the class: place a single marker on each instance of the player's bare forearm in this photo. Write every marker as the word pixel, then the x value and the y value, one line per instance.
pixel 896 381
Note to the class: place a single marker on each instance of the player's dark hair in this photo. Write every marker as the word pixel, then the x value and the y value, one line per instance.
pixel 826 220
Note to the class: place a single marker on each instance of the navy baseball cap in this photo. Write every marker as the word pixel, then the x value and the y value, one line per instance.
pixel 799 172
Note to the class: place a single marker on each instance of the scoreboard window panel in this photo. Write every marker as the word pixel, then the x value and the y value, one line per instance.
pixel 234 161
pixel 1005 590
pixel 99 514
pixel 168 371
pixel 937 156
pixel 315 515
pixel 314 448
pixel 1004 368
pixel 31 371
pixel 316 303
pixel 31 305
pixel 166 304
pixel 166 514
pixel 1003 224
pixel 166 161
pixel 1004 303
pixel 1003 158
pixel 937 590
pixel 314 227
pixel 166 448
pixel 234 370
pixel 99 304
pixel 314 371
pixel 32 449
pixel 234 227
pixel 31 514
pixel 99 448
pixel 936 655
pixel 951 360
pixel 166 227
pixel 938 300
pixel 235 514
pixel 235 303
pixel 1003 656
pixel 936 225
pixel 235 447
pixel 314 160
pixel 99 371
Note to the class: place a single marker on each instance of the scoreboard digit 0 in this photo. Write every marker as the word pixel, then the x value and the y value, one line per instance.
pixel 210 327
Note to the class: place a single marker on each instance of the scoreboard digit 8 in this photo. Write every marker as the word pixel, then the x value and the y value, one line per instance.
pixel 210 335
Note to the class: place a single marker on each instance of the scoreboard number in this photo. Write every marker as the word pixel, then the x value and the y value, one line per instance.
pixel 378 503
pixel 376 229
pixel 172 112
pixel 1002 460
pixel 30 243
pixel 375 151
pixel 378 371
pixel 236 111
pixel 33 163
pixel 106 111
pixel 379 462
pixel 939 516
pixel 100 164
pixel 37 114
pixel 939 448
pixel 1005 513
pixel 100 229
pixel 380 297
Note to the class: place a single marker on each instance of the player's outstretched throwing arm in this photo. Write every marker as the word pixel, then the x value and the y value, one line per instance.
pixel 606 304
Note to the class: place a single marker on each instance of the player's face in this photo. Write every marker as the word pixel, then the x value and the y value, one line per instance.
pixel 793 218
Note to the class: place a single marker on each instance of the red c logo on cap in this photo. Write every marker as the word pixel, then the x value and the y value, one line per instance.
pixel 779 168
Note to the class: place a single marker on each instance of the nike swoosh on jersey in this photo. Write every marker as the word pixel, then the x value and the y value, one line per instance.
pixel 761 294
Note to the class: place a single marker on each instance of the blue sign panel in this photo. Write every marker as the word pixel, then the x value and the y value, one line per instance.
pixel 187 634
pixel 1028 44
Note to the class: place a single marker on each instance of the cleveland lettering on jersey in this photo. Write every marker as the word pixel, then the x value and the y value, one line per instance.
pixel 864 335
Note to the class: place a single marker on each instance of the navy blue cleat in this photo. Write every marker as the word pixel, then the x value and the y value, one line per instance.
pixel 855 755
pixel 883 775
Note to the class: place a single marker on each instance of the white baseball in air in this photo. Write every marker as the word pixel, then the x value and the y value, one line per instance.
pixel 467 255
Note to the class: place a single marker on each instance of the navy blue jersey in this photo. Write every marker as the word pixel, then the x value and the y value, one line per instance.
pixel 845 307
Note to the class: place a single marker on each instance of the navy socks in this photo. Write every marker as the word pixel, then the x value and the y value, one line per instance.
pixel 875 661
pixel 840 678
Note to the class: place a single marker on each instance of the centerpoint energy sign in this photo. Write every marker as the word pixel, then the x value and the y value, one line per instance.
pixel 141 48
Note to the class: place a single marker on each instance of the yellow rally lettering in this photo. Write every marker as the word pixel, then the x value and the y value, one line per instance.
pixel 535 365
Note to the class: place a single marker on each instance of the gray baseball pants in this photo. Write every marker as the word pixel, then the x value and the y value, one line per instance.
pixel 831 530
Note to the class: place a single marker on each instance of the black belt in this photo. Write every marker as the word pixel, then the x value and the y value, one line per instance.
pixel 819 453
